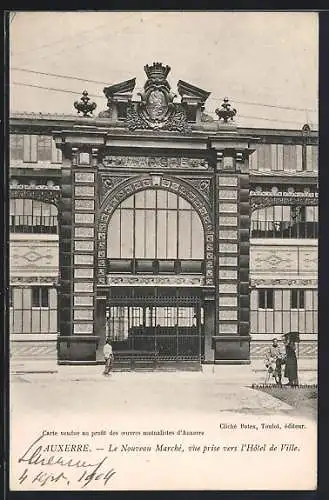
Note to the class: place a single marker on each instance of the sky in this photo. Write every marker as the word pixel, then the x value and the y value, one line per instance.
pixel 264 62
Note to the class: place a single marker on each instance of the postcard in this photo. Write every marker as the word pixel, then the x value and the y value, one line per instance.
pixel 163 250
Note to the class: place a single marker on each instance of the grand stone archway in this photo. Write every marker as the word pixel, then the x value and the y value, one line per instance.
pixel 102 167
pixel 171 184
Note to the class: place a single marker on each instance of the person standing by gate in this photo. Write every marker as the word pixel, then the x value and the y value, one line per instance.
pixel 291 368
pixel 108 356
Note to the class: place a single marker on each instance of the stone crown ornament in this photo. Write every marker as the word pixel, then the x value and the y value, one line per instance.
pixel 157 71
pixel 226 112
pixel 157 110
pixel 84 106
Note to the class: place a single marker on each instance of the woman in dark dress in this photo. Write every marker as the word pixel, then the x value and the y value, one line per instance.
pixel 290 371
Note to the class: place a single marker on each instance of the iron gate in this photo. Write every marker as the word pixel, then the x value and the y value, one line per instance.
pixel 165 328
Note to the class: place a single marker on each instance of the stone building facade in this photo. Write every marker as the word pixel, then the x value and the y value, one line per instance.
pixel 181 237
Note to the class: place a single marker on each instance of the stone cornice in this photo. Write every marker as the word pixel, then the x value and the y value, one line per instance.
pixel 27 122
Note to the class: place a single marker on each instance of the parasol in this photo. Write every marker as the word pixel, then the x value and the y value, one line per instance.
pixel 292 336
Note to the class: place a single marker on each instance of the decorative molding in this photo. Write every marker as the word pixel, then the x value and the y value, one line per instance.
pixel 46 194
pixel 284 259
pixel 258 348
pixel 295 194
pixel 33 254
pixel 33 187
pixel 202 184
pixel 284 173
pixel 157 110
pixel 185 280
pixel 107 183
pixel 154 162
pixel 177 186
pixel 283 283
pixel 266 199
pixel 34 280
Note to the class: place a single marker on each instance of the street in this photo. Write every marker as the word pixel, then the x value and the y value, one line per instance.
pixel 76 391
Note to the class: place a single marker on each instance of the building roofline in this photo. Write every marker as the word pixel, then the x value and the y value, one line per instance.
pixel 58 120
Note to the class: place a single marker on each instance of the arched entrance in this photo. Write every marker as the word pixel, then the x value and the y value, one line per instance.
pixel 156 249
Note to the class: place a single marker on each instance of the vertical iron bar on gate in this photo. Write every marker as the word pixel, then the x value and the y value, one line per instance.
pixel 176 326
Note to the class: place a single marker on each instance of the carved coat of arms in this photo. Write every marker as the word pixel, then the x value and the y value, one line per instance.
pixel 156 110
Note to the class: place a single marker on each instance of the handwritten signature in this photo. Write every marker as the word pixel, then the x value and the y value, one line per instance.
pixel 63 470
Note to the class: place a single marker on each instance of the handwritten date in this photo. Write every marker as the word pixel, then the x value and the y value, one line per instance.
pixel 43 469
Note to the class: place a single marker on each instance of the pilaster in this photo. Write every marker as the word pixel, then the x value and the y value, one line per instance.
pixel 77 240
pixel 232 338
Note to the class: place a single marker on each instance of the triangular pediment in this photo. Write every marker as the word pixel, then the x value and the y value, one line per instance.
pixel 186 89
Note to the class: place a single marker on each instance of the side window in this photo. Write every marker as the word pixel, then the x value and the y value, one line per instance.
pixel 297 299
pixel 44 148
pixel 16 147
pixel 40 296
pixel 265 299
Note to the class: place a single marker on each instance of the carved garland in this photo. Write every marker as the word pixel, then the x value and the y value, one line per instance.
pixel 283 283
pixel 179 187
pixel 47 196
pixel 257 202
pixel 48 280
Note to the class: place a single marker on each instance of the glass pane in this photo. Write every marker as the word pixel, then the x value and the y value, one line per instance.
pixel 140 199
pixel 46 209
pixel 172 200
pixel 150 234
pixel 37 208
pixel 126 233
pixel 278 213
pixel 12 207
pixel 197 237
pixel 27 207
pixel 286 213
pixel 52 321
pixel 172 235
pixel 139 234
pixel 44 148
pixel 52 298
pixel 44 297
pixel 184 235
pixel 53 210
pixel 27 298
pixel 316 213
pixel 162 234
pixel 19 206
pixel 183 204
pixel 113 236
pixel 17 298
pixel 44 321
pixel 128 203
pixel 161 198
pixel 18 321
pixel 36 320
pixel 26 326
pixel 150 198
pixel 277 322
pixel 269 318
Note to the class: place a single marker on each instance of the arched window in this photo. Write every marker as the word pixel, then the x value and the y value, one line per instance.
pixel 156 225
pixel 32 216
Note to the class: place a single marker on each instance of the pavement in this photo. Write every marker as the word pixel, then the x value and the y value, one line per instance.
pixel 214 388
pixel 231 374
